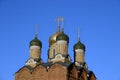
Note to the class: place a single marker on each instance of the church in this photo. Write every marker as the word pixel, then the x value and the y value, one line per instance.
pixel 59 65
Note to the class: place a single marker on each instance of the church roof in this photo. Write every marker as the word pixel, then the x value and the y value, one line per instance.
pixel 79 45
pixel 36 42
pixel 52 38
pixel 62 36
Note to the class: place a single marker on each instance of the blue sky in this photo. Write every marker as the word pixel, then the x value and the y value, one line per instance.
pixel 99 22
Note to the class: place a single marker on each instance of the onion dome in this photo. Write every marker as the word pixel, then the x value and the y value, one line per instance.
pixel 62 36
pixel 52 39
pixel 36 42
pixel 79 45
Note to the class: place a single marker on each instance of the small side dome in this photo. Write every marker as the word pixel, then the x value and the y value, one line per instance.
pixel 79 45
pixel 62 36
pixel 52 39
pixel 36 42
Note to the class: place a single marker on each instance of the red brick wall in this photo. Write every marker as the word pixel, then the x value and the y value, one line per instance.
pixel 83 74
pixel 73 73
pixel 57 72
pixel 23 74
pixel 40 73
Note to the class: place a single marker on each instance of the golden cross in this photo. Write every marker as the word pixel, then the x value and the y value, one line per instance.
pixel 62 19
pixel 36 30
pixel 78 34
pixel 59 19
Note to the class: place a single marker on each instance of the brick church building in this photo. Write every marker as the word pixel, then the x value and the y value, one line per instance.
pixel 59 65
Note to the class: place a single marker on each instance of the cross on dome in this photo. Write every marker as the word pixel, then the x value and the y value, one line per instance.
pixel 36 30
pixel 59 19
pixel 78 34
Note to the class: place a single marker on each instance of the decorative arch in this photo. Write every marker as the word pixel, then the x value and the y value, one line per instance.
pixel 73 72
pixel 82 74
pixel 23 74
pixel 91 76
pixel 57 71
pixel 40 73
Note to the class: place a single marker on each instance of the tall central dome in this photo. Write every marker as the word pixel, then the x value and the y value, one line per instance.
pixel 52 39
pixel 58 45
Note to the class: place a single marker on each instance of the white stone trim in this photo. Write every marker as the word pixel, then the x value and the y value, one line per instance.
pixel 62 42
pixel 61 58
pixel 79 50
pixel 77 64
pixel 31 61
pixel 33 47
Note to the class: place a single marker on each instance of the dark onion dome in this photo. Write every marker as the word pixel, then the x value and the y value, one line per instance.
pixel 62 36
pixel 79 45
pixel 36 42
pixel 52 39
